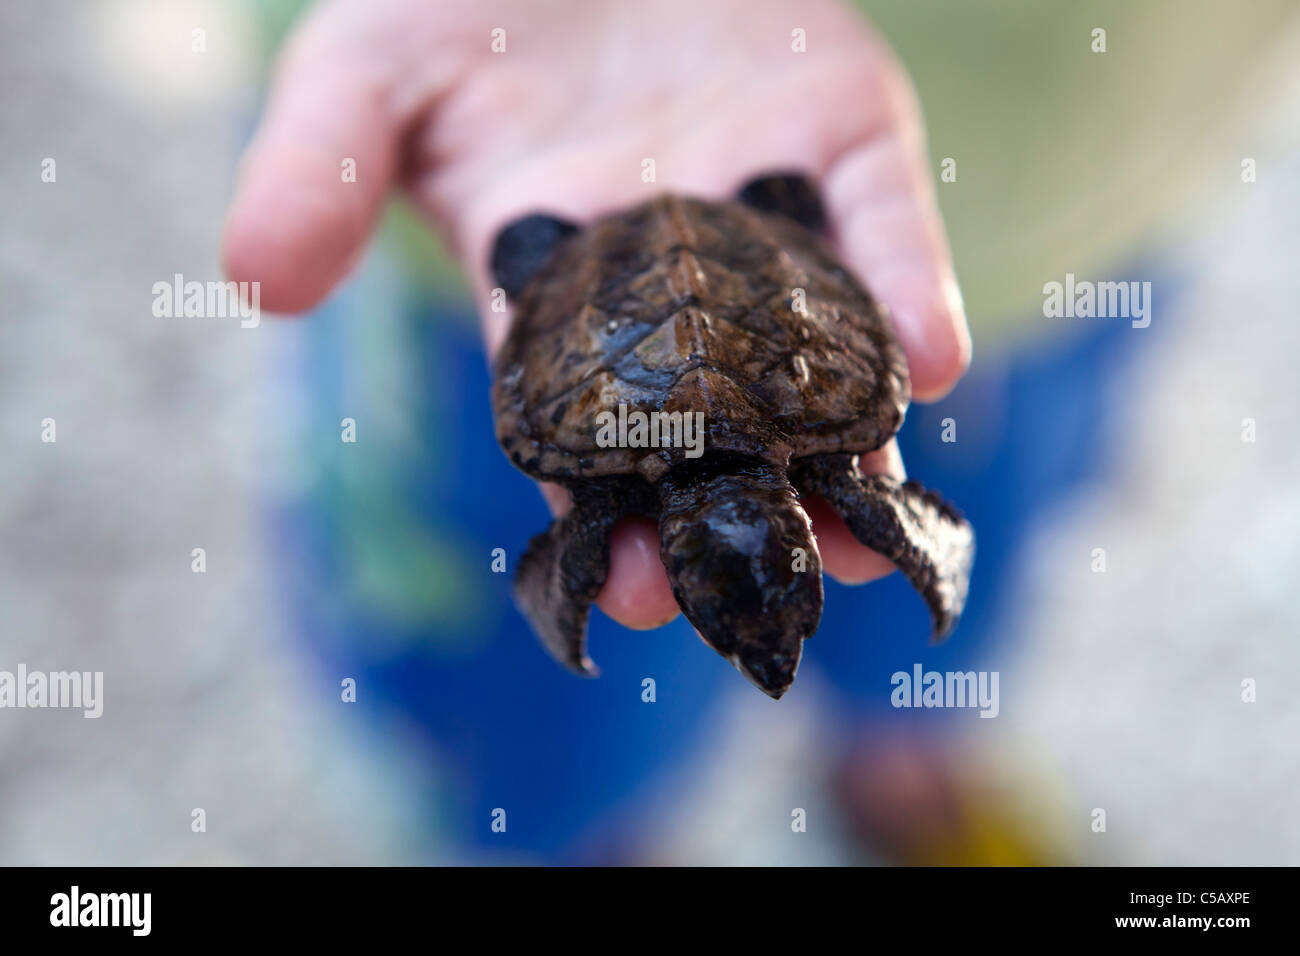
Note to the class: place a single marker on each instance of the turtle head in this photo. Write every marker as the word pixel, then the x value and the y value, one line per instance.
pixel 743 564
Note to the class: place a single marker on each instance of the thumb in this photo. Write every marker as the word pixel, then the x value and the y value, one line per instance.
pixel 314 181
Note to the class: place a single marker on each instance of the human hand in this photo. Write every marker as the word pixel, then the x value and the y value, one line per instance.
pixel 561 121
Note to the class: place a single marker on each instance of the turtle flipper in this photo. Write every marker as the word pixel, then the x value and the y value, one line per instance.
pixel 790 194
pixel 925 536
pixel 565 567
pixel 523 247
pixel 743 565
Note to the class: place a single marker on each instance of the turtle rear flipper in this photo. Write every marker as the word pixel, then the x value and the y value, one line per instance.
pixel 524 246
pixel 565 567
pixel 925 536
pixel 792 195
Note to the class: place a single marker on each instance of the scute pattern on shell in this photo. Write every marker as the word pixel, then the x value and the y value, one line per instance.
pixel 687 305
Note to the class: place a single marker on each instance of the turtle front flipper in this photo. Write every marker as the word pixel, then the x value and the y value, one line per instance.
pixel 743 564
pixel 925 536
pixel 565 566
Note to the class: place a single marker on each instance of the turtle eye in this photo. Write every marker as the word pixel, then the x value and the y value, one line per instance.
pixel 524 246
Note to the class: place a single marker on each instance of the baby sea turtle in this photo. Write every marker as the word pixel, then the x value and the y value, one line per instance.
pixel 736 317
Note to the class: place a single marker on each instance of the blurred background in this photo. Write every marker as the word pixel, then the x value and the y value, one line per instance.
pixel 1120 690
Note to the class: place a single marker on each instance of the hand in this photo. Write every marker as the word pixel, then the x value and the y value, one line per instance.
pixel 561 121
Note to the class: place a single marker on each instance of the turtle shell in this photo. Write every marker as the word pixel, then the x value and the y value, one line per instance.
pixel 683 305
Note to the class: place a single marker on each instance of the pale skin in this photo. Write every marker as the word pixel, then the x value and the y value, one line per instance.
pixel 562 122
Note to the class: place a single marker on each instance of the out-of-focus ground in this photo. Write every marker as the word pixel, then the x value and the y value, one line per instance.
pixel 207 705
pixel 1125 691
pixel 1132 678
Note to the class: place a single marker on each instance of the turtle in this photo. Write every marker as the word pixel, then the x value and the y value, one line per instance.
pixel 734 316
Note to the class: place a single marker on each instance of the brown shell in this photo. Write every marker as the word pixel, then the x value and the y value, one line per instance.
pixel 685 305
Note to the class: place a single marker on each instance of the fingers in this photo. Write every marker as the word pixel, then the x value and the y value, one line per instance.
pixel 844 558
pixel 315 178
pixel 882 201
pixel 637 593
